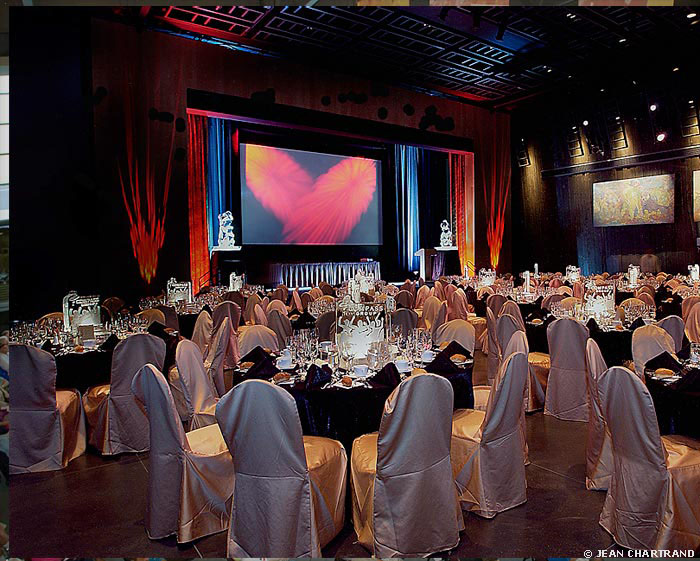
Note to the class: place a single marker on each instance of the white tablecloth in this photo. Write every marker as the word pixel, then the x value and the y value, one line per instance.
pixel 310 274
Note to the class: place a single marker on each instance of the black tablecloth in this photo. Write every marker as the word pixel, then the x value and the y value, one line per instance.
pixel 186 323
pixel 83 370
pixel 677 410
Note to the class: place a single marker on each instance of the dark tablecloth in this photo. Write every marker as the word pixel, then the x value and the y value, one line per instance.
pixel 186 323
pixel 677 410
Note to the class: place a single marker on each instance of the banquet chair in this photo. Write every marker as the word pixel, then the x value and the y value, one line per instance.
pixel 203 329
pixel 440 318
pixel 487 454
pixel 237 298
pixel 306 299
pixel 289 497
pixel 152 315
pixel 511 308
pixel 170 315
pixel 599 453
pixel 296 303
pixel 692 325
pixel 219 349
pixel 190 476
pixel 258 335
pixel 569 303
pixel 325 326
pixel 438 291
pixel 430 310
pixel 506 325
pixel 114 304
pixel 674 326
pixel 492 357
pixel 116 421
pixel 479 325
pixel 565 290
pixel 284 292
pixel 327 298
pixel 484 291
pixel 277 294
pixel 682 291
pixel 567 395
pixel 687 305
pixel 280 324
pixel 456 330
pixel 646 299
pixel 409 286
pixel 327 289
pixel 646 288
pixel 406 319
pixel 495 302
pixel 549 300
pixel 229 310
pixel 578 290
pixel 277 305
pixel 189 379
pixel 652 501
pixel 252 301
pixel 449 291
pixel 53 316
pixel 625 304
pixel 404 498
pixel 315 293
pixel 649 341
pixel 459 308
pixel 421 296
pixel 404 299
pixel 259 317
pixel 556 282
pixel 48 425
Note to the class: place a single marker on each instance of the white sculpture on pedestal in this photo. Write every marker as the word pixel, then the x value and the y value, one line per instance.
pixel 227 239
pixel 446 235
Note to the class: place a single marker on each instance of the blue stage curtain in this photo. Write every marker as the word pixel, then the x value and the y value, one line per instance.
pixel 407 232
pixel 219 174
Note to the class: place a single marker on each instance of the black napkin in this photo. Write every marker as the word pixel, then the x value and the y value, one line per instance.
pixel 109 343
pixel 304 321
pixel 388 376
pixel 263 369
pixel 690 382
pixel 639 322
pixel 537 313
pixel 442 363
pixel 255 356
pixel 158 329
pixel 592 325
pixel 317 376
pixel 664 360
pixel 47 346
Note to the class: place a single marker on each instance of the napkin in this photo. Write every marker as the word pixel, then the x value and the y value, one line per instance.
pixel 157 329
pixel 664 360
pixel 538 313
pixel 639 322
pixel 442 364
pixel 304 321
pixel 264 369
pixel 387 376
pixel 592 325
pixel 317 376
pixel 690 382
pixel 109 343
pixel 255 356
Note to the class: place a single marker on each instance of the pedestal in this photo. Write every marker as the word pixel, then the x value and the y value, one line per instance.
pixel 452 264
pixel 223 262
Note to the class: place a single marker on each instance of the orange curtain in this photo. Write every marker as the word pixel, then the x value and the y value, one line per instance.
pixel 197 199
pixel 462 205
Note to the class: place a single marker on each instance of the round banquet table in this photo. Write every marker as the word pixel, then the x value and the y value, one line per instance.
pixel 346 413
pixel 186 323
pixel 677 408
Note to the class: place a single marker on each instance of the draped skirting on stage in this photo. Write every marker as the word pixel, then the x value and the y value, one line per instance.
pixel 310 274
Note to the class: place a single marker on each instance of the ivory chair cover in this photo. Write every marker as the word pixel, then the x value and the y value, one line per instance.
pixel 199 395
pixel 203 329
pixel 259 317
pixel 456 330
pixel 263 305
pixel 114 304
pixel 258 335
pixel 569 303
pixel 495 302
pixel 409 286
pixel 488 461
pixel 422 296
pixel 315 293
pixel 229 310
pixel 493 356
pixel 565 290
pixel 327 298
pixel 648 342
pixel 449 291
pixel 506 325
pixel 276 305
pixel 682 291
pixel 646 298
pixel 692 325
pixel 511 308
pixel 306 299
pixel 548 301
pixel 599 453
pixel 440 318
pixel 117 422
pixel 48 425
pixel 405 299
pixel 190 475
pixel 326 288
pixel 567 394
pixel 484 291
pixel 480 328
pixel 280 324
pixel 152 315
pixel 439 291
pixel 170 316
pixel 430 310
pixel 249 312
pixel 406 319
pixel 555 283
pixel 674 326
pixel 646 288
pixel 459 308
pixel 652 501
pixel 687 305
pixel 404 499
pixel 325 326
pixel 289 497
pixel 296 301
pixel 622 308
pixel 215 360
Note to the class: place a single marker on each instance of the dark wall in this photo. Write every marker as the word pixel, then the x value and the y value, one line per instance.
pixel 553 200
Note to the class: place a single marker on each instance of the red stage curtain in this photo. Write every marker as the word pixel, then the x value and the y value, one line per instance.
pixel 462 205
pixel 197 199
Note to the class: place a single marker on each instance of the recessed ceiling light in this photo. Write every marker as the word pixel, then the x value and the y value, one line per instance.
pixel 691 15
pixel 621 40
pixel 676 69
pixel 661 136
pixel 585 123
pixel 602 89
pixel 549 69
pixel 573 128
pixel 652 107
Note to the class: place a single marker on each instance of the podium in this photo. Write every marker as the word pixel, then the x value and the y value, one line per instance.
pixel 452 264
pixel 426 261
pixel 427 256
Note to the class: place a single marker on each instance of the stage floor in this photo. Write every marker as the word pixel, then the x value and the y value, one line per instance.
pixel 96 506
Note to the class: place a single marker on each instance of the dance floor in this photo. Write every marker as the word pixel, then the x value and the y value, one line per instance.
pixel 96 507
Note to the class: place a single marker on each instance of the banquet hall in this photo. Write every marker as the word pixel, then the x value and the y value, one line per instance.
pixel 353 281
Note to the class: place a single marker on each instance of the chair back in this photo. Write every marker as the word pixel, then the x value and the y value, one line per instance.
pixel 440 318
pixel 506 325
pixel 421 296
pixel 430 310
pixel 325 326
pixel 459 307
pixel 505 404
pixel 151 315
pixel 548 301
pixel 674 326
pixel 170 314
pixel 687 305
pixel 229 310
pixel 280 324
pixel 405 299
pixel 296 301
pixel 406 319
pixel 598 452
pixel 495 302
pixel 203 329
pixel 569 303
pixel 218 349
pixel 197 388
pixel 457 330
pixel 511 308
pixel 439 291
pixel 276 305
pixel 649 341
pixel 692 325
pixel 249 312
pixel 258 335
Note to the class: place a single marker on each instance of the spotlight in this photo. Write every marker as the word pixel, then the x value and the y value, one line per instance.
pixel 652 107
pixel 676 69
pixel 621 40
pixel 549 69
pixel 602 89
pixel 691 15
pixel 585 123
pixel 661 137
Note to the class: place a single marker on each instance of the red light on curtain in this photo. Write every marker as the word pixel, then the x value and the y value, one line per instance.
pixel 196 198
pixel 462 206
pixel 496 183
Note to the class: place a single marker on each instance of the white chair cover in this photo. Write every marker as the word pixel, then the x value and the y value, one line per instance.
pixel 289 498
pixel 599 453
pixel 565 290
pixel 421 296
pixel 152 315
pixel 258 335
pixel 440 318
pixel 117 422
pixel 567 394
pixel 325 326
pixel 190 476
pixel 506 325
pixel 430 310
pixel 296 301
pixel 203 329
pixel 459 308
pixel 439 291
pixel 259 316
pixel 406 319
pixel 315 293
pixel 229 310
pixel 687 305
pixel 493 351
pixel 306 300
pixel 692 325
pixel 456 330
pixel 48 426
pixel 652 501
pixel 568 303
pixel 488 461
pixel 170 316
pixel 511 308
pixel 280 324
pixel 551 299
pixel 495 302
pixel 648 342
pixel 646 298
pixel 276 305
pixel 215 359
pixel 198 392
pixel 674 326
pixel 403 472
pixel 404 298
pixel 484 291
pixel 248 314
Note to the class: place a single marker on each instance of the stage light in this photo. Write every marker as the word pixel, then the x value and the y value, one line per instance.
pixel 691 15
pixel 676 69
pixel 661 137
pixel 602 89
pixel 621 40
pixel 585 123
pixel 549 69
pixel 652 107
